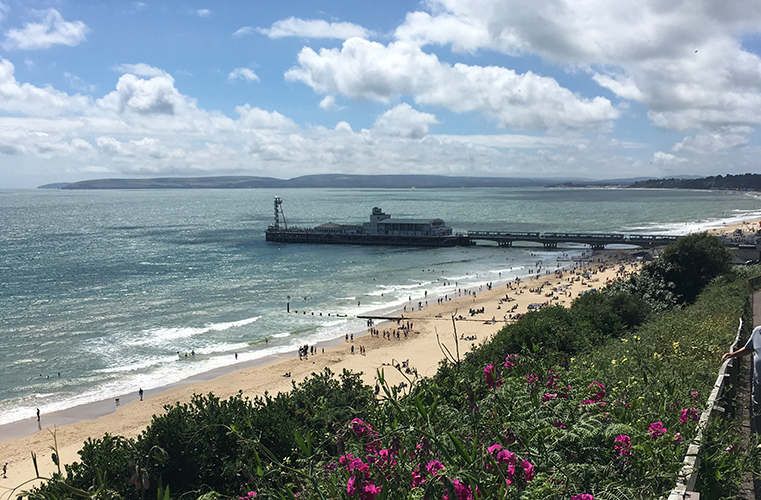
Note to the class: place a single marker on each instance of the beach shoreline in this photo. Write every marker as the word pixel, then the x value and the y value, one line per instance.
pixel 72 427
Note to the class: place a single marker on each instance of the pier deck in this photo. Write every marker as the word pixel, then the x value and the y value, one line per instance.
pixel 551 240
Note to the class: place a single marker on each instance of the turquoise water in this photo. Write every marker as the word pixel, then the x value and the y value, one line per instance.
pixel 105 287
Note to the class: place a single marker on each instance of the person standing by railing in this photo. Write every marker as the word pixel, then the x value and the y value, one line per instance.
pixel 753 345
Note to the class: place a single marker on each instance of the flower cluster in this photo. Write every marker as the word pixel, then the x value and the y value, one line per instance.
pixel 623 445
pixel 511 360
pixel 492 377
pixel 359 479
pixel 505 457
pixel 657 430
pixel 688 414
pixel 597 394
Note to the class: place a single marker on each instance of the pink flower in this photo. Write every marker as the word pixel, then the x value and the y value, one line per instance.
pixel 531 378
pixel 491 373
pixel 551 379
pixel 433 467
pixel 249 496
pixel 371 491
pixel 506 457
pixel 623 444
pixel 547 396
pixel 657 430
pixel 510 360
pixel 345 459
pixel 583 496
pixel 494 447
pixel 360 428
pixel 462 491
pixel 351 488
pixel 558 424
pixel 528 470
pixel 358 465
pixel 510 474
pixel 677 438
pixel 417 479
pixel 687 414
pixel 694 395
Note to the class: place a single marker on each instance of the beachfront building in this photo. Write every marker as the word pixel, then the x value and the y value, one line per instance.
pixel 383 224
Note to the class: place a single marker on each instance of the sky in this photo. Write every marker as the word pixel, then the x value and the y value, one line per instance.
pixel 587 89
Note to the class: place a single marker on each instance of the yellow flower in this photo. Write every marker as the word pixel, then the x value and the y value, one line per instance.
pixel 624 359
pixel 613 361
pixel 624 340
pixel 656 355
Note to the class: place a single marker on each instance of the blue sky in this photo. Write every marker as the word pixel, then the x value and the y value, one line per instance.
pixel 556 89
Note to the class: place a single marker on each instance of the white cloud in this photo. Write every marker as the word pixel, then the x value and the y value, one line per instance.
pixel 203 12
pixel 78 84
pixel 140 69
pixel 51 30
pixel 314 28
pixel 508 140
pixel 667 159
pixel 259 119
pixel 146 126
pixel 465 35
pixel 683 60
pixel 367 70
pixel 3 11
pixel 156 96
pixel 329 104
pixel 245 30
pixel 404 121
pixel 243 74
pixel 713 142
pixel 34 101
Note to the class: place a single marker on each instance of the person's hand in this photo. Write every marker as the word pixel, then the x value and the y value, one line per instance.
pixel 726 355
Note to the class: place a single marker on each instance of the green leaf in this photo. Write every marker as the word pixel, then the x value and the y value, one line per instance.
pixel 459 447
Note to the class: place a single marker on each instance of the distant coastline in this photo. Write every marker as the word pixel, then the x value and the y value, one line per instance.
pixel 319 181
pixel 745 182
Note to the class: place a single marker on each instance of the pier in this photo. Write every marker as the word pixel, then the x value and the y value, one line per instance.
pixel 551 240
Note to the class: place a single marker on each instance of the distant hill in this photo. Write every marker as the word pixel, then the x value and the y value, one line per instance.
pixel 743 182
pixel 306 181
pixel 328 181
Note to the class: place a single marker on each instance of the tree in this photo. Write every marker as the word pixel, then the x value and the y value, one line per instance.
pixel 690 264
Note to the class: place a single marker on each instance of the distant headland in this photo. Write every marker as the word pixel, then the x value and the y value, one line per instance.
pixel 317 181
pixel 743 182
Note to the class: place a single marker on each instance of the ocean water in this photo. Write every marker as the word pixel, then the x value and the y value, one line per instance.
pixel 106 287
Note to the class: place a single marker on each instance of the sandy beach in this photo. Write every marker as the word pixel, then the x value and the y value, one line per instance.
pixel 420 347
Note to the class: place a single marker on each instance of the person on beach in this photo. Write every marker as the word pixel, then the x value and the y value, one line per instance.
pixel 753 345
pixel 140 392
pixel 38 414
pixel 5 470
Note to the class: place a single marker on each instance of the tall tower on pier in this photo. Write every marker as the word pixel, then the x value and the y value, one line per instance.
pixel 279 213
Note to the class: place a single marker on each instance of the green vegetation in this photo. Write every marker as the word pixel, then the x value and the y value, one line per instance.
pixel 743 182
pixel 599 400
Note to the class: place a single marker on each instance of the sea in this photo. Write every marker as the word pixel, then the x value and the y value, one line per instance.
pixel 103 292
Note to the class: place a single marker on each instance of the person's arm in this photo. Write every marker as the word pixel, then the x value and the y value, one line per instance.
pixel 737 353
